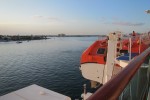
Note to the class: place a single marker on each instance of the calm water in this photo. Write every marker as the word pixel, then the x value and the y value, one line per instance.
pixel 52 63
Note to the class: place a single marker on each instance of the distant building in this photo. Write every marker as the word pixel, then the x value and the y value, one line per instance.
pixel 6 38
pixel 61 35
pixel 1 36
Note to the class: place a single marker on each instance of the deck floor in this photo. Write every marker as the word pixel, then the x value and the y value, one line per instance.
pixel 34 92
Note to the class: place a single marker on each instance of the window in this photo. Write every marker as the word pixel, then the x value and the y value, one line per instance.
pixel 101 51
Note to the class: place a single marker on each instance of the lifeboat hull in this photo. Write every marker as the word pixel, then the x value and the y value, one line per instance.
pixel 93 71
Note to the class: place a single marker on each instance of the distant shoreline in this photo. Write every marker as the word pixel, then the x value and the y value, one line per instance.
pixel 9 38
pixel 75 35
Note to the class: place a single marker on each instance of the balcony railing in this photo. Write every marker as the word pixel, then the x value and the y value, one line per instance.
pixel 132 83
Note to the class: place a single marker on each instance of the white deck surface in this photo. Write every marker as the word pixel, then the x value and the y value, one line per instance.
pixel 34 92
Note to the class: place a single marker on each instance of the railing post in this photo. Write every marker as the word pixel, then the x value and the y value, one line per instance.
pixel 130 90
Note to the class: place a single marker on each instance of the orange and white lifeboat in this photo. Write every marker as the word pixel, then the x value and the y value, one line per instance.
pixel 93 61
pixel 99 61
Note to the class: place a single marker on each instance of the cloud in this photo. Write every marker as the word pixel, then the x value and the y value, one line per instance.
pixel 53 18
pixel 46 18
pixel 115 18
pixel 128 24
pixel 103 18
pixel 38 16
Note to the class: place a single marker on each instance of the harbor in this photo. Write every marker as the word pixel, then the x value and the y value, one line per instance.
pixel 74 50
pixel 45 63
pixel 49 80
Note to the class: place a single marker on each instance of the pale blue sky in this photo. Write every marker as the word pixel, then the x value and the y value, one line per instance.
pixel 73 16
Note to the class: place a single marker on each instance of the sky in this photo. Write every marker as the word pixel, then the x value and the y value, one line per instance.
pixel 86 17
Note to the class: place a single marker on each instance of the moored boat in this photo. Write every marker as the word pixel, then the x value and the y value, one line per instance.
pixel 19 42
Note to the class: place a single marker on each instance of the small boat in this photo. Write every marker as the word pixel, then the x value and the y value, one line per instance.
pixel 105 58
pixel 19 42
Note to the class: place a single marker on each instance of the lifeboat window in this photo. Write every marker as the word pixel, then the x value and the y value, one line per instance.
pixel 101 51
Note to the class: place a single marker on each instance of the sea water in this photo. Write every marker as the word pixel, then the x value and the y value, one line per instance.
pixel 53 64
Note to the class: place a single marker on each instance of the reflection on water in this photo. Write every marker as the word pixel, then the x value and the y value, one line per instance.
pixel 52 63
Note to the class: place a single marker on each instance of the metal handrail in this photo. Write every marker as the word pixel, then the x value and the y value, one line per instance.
pixel 114 87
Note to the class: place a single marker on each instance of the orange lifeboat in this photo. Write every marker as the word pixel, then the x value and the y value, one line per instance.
pixel 96 53
pixel 105 58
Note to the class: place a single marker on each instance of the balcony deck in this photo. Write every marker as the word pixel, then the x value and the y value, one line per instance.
pixel 34 92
